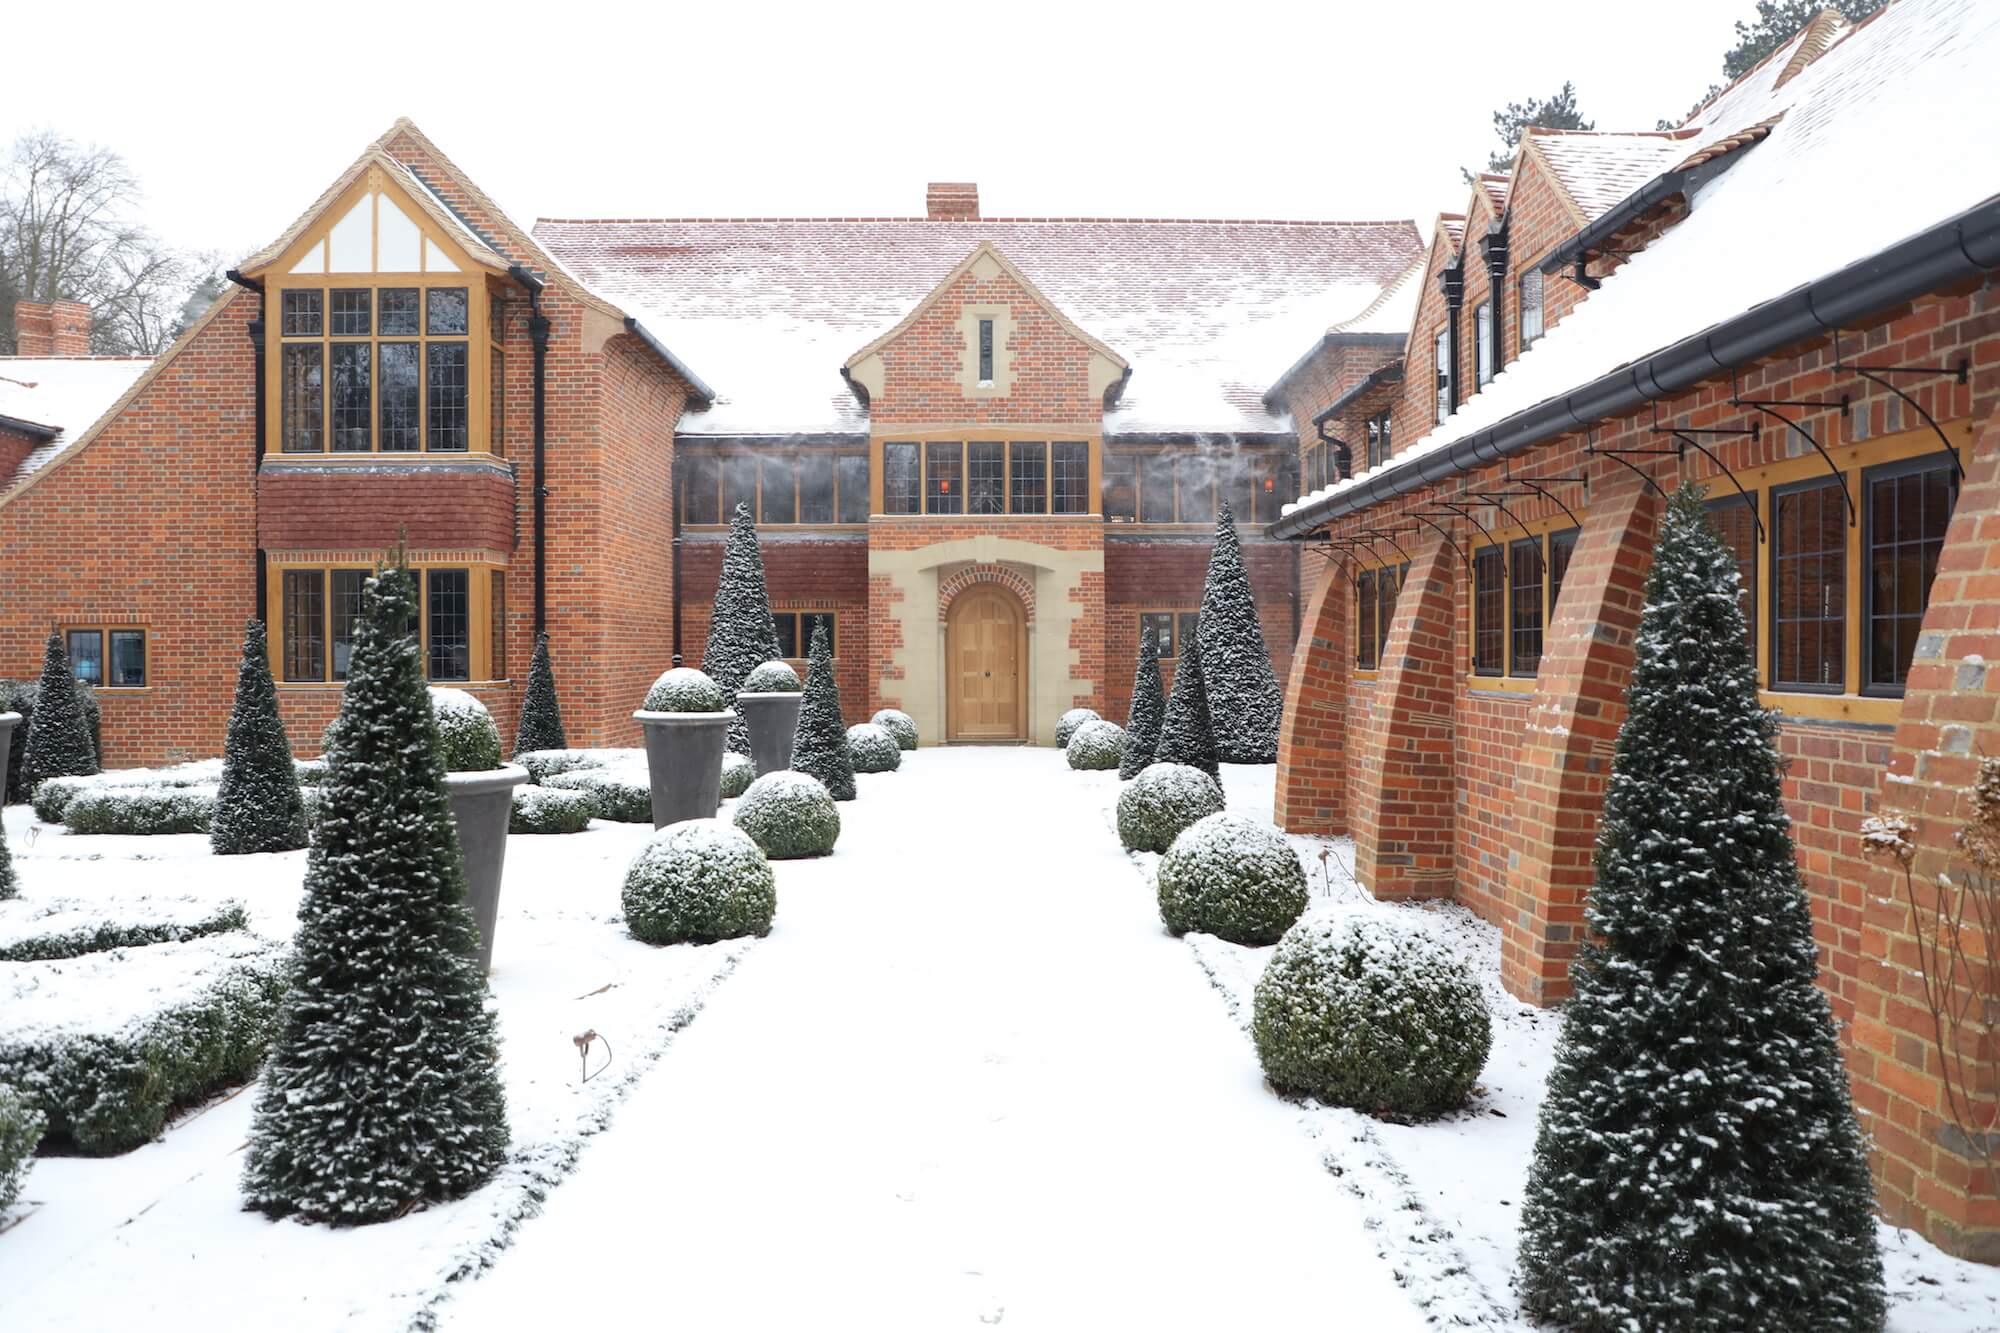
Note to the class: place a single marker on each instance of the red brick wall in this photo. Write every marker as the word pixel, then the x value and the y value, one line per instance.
pixel 800 573
pixel 1160 573
pixel 341 507
pixel 13 448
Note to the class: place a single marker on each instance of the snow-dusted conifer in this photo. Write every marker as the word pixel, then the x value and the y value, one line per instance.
pixel 383 1089
pixel 541 716
pixel 1149 706
pixel 1698 1166
pixel 10 885
pixel 741 633
pixel 819 746
pixel 258 807
pixel 59 743
pixel 1234 662
pixel 1187 735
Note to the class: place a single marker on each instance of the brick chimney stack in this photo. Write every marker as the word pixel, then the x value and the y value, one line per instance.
pixel 952 200
pixel 51 328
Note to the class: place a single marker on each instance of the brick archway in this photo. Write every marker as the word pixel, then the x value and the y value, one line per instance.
pixel 973 575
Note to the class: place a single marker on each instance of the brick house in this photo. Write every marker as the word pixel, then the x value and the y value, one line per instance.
pixel 987 450
pixel 1791 298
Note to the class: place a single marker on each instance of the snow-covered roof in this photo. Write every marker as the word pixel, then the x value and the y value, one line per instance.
pixel 1206 312
pixel 1496 186
pixel 1891 131
pixel 1395 309
pixel 64 394
pixel 1598 170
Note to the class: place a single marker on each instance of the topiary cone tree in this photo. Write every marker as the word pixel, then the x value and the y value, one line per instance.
pixel 819 747
pixel 58 744
pixel 541 716
pixel 1698 1166
pixel 1149 706
pixel 257 807
pixel 741 634
pixel 382 1090
pixel 1234 662
pixel 1187 735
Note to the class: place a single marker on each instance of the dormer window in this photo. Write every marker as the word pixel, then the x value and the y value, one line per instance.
pixel 1531 307
pixel 1482 341
pixel 1441 357
pixel 985 352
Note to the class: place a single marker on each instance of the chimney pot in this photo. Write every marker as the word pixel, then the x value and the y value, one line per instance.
pixel 51 328
pixel 951 199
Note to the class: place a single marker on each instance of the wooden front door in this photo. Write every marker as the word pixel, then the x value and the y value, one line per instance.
pixel 986 676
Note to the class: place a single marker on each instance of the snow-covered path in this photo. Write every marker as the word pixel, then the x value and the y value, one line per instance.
pixel 968 1080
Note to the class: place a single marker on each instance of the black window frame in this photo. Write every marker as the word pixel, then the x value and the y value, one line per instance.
pixel 1028 490
pixel 1870 477
pixel 1773 562
pixel 77 659
pixel 896 499
pixel 797 622
pixel 1446 390
pixel 1069 477
pixel 1481 632
pixel 1516 588
pixel 1485 349
pixel 438 648
pixel 1564 539
pixel 1524 305
pixel 985 352
pixel 1752 619
pixel 986 492
pixel 1367 618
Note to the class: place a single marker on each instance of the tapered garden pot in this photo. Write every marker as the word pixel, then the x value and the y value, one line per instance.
pixel 482 802
pixel 773 719
pixel 684 763
pixel 9 721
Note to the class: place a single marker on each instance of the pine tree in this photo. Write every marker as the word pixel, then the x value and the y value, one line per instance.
pixel 257 807
pixel 1698 1166
pixel 1149 706
pixel 741 634
pixel 383 1089
pixel 541 716
pixel 58 744
pixel 819 747
pixel 1187 735
pixel 1234 662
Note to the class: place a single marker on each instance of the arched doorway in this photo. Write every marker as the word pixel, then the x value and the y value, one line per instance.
pixel 986 666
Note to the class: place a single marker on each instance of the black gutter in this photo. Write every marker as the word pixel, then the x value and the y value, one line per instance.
pixel 1956 250
pixel 1636 204
pixel 255 328
pixel 538 334
pixel 34 428
pixel 1375 379
pixel 1280 438
pixel 697 389
pixel 1332 338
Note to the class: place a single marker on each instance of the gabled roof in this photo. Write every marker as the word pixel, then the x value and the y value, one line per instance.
pixel 1496 186
pixel 1394 310
pixel 1205 312
pixel 1597 170
pixel 985 250
pixel 1886 135
pixel 413 188
pixel 58 398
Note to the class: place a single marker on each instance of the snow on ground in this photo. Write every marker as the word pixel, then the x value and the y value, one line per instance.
pixel 157 1237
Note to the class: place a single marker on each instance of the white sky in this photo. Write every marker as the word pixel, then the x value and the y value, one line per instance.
pixel 237 115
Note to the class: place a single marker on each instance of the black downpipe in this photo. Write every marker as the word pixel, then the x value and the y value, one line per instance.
pixel 538 334
pixel 1496 278
pixel 1452 281
pixel 674 502
pixel 255 328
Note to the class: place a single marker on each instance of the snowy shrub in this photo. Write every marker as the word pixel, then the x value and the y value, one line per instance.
pixel 141 810
pixel 898 724
pixel 60 740
pixel 1149 711
pixel 699 881
pixel 312 772
pixel 737 774
pixel 21 1128
pixel 106 1076
pixel 19 696
pixel 10 883
pixel 541 715
pixel 623 795
pixel 1372 1013
pixel 257 804
pixel 467 737
pixel 819 745
pixel 872 749
pixel 1232 877
pixel 1067 724
pixel 52 928
pixel 52 798
pixel 685 690
pixel 1161 801
pixel 1095 744
pixel 772 677
pixel 1236 669
pixel 545 764
pixel 790 815
pixel 550 810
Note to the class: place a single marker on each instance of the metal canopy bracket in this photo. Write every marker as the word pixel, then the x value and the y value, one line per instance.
pixel 1769 407
pixel 1685 437
pixel 1422 517
pixel 1617 456
pixel 1962 372
pixel 1536 484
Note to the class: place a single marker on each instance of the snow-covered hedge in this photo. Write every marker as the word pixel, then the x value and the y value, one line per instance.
pixel 1163 800
pixel 789 815
pixel 624 795
pixel 699 881
pixel 1371 1013
pixel 1232 877
pixel 52 797
pixel 107 1044
pixel 141 810
pixel 545 764
pixel 467 736
pixel 1095 744
pixel 737 774
pixel 772 678
pixel 898 724
pixel 40 929
pixel 1067 724
pixel 550 810
pixel 685 690
pixel 21 1128
pixel 873 749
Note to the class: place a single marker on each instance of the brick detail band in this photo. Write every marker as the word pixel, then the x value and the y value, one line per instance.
pixel 949 590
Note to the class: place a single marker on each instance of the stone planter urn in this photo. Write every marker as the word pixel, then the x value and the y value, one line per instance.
pixel 9 721
pixel 769 702
pixel 684 763
pixel 482 802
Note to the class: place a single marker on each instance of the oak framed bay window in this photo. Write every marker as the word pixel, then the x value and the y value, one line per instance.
pixel 108 657
pixel 1376 593
pixel 460 623
pixel 796 626
pixel 806 487
pixel 1515 590
pixel 1173 628
pixel 1187 486
pixel 985 478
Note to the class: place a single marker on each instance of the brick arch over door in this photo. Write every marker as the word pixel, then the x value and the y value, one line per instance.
pixel 973 575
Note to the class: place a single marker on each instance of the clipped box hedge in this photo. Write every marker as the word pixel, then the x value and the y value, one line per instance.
pixel 21 1128
pixel 550 810
pixel 141 811
pixel 106 1045
pixel 35 931
pixel 624 795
